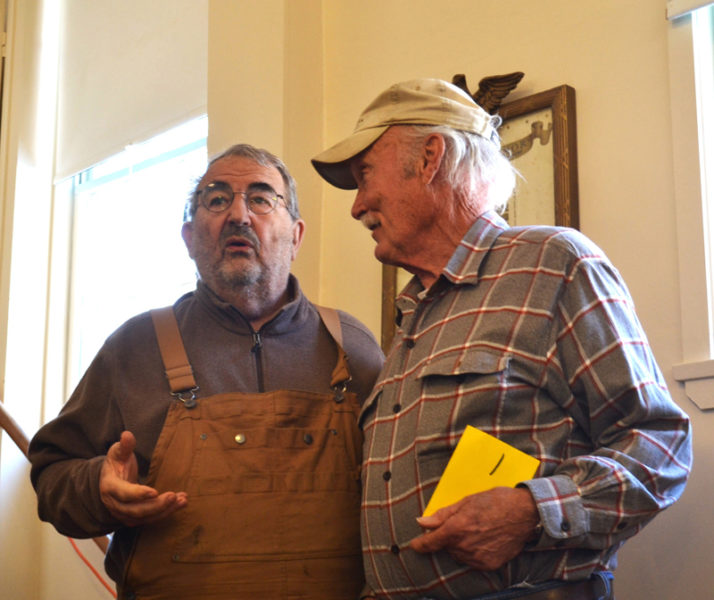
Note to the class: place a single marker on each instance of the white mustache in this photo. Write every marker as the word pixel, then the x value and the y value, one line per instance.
pixel 369 221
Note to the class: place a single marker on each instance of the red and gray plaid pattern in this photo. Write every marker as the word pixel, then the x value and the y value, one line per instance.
pixel 531 336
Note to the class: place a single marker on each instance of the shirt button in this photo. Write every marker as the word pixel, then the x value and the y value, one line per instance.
pixel 410 343
pixel 565 526
pixel 307 438
pixel 239 438
pixel 396 408
pixel 395 549
pixel 387 475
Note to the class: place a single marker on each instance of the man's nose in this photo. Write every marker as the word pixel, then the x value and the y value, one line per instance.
pixel 238 211
pixel 358 206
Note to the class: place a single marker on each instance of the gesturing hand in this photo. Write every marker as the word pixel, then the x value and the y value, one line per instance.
pixel 128 501
pixel 483 530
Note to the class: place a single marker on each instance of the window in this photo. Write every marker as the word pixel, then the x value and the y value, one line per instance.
pixel 692 93
pixel 127 254
pixel 703 43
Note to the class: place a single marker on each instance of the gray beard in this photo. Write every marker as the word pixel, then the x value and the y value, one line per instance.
pixel 250 279
pixel 235 280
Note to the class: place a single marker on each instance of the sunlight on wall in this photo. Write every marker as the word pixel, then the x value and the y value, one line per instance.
pixel 30 120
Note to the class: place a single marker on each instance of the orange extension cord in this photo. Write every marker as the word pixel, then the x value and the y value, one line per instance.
pixel 92 569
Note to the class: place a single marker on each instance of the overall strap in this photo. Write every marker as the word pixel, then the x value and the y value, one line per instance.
pixel 331 319
pixel 173 354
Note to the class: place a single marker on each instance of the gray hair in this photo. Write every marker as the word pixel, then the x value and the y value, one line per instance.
pixel 262 157
pixel 470 162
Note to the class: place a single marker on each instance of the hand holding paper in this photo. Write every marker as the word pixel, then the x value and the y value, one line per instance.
pixel 483 530
pixel 480 462
pixel 475 513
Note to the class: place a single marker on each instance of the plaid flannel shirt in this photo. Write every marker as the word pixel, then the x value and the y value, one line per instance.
pixel 531 336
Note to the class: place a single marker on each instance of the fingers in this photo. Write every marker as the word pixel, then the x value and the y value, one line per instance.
pixel 437 518
pixel 125 448
pixel 120 461
pixel 483 530
pixel 431 541
pixel 134 504
pixel 127 500
pixel 123 491
pixel 148 510
pixel 437 535
pixel 466 547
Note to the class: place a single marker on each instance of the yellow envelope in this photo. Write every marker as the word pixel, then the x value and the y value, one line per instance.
pixel 480 462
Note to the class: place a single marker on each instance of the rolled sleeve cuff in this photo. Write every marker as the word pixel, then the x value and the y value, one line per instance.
pixel 561 510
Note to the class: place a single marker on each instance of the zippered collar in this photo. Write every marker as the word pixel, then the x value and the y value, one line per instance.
pixel 291 316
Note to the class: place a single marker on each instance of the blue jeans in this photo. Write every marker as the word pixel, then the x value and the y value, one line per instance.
pixel 606 578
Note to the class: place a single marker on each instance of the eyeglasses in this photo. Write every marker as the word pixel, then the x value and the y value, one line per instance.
pixel 218 197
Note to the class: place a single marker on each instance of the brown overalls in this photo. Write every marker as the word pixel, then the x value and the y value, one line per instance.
pixel 273 491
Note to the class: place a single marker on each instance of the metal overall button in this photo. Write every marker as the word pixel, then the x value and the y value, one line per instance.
pixel 340 390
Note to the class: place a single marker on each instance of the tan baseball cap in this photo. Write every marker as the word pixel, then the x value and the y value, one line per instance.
pixel 415 102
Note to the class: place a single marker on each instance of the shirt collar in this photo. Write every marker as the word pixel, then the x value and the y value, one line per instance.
pixel 465 262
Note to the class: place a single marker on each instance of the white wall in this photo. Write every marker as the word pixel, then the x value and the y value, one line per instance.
pixel 265 88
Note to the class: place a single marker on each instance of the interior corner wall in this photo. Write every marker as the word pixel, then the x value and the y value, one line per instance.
pixel 615 55
pixel 265 89
pixel 303 131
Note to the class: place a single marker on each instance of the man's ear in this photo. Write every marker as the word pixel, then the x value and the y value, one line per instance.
pixel 298 233
pixel 433 152
pixel 187 235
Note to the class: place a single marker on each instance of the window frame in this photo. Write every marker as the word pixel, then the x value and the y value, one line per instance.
pixel 692 204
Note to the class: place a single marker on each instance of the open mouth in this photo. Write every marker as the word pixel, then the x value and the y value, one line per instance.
pixel 238 245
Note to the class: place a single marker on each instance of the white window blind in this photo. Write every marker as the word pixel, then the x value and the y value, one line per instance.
pixel 128 70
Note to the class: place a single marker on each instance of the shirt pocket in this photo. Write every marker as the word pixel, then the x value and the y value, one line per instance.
pixel 462 363
pixel 451 377
pixel 457 389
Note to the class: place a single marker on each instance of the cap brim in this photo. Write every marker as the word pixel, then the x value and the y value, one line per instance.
pixel 333 164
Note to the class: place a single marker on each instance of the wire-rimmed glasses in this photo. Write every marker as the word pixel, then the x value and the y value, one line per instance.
pixel 218 197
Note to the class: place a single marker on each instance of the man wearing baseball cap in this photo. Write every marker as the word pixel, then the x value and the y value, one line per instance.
pixel 525 333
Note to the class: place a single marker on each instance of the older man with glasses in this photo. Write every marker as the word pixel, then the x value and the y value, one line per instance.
pixel 217 439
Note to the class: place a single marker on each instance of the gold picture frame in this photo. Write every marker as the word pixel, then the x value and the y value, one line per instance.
pixel 545 119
